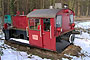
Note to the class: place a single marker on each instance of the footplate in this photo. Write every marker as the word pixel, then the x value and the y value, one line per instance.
pixel 60 46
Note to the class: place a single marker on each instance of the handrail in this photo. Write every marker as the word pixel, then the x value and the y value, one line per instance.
pixel 50 32
pixel 40 32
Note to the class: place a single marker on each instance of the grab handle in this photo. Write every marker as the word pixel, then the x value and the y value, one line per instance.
pixel 40 32
pixel 50 32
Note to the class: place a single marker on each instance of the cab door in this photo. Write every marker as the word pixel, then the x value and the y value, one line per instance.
pixel 35 36
pixel 46 33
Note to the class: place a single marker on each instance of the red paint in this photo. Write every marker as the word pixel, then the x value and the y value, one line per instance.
pixel 5 26
pixel 59 29
pixel 33 41
pixel 34 9
pixel 66 11
pixel 18 13
pixel 53 39
pixel 20 22
pixel 72 25
pixel 46 40
pixel 23 13
pixel 46 37
pixel 38 27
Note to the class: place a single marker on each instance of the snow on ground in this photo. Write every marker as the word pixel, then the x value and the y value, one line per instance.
pixel 20 40
pixel 83 41
pixel 12 54
pixel 1 35
pixel 83 25
pixel 84 35
pixel 85 45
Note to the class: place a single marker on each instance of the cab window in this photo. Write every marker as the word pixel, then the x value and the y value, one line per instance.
pixel 59 21
pixel 46 24
pixel 34 24
pixel 71 18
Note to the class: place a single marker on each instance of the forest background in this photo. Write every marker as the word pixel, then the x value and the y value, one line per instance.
pixel 80 7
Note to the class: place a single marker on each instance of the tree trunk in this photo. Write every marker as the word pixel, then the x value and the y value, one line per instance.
pixel 78 8
pixel 43 4
pixel 53 2
pixel 27 6
pixel 87 11
pixel 17 5
pixel 8 8
pixel 3 11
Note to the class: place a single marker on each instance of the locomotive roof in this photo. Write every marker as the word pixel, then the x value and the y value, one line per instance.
pixel 47 13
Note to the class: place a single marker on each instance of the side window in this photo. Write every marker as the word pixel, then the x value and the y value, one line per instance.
pixel 59 21
pixel 46 24
pixel 34 24
pixel 71 18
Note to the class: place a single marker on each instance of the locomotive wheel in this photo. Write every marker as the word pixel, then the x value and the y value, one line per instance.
pixel 71 38
pixel 60 46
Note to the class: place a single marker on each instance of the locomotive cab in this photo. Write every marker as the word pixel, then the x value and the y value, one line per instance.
pixel 47 27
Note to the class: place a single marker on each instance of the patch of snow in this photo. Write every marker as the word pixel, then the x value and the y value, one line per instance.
pixel 81 58
pixel 20 40
pixel 84 25
pixel 83 43
pixel 84 35
pixel 10 54
pixel 65 59
pixel 33 57
pixel 2 36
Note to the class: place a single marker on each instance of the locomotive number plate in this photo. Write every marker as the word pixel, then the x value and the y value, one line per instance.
pixel 35 37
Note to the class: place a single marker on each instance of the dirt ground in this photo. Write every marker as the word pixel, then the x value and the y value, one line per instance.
pixel 71 50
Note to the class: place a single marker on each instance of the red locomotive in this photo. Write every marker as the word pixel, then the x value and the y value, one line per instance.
pixel 46 28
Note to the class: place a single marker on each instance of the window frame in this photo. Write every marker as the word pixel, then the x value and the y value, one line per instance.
pixel 61 21
pixel 29 24
pixel 70 19
pixel 49 22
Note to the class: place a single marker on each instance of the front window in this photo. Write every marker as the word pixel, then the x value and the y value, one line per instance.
pixel 34 24
pixel 59 21
pixel 71 18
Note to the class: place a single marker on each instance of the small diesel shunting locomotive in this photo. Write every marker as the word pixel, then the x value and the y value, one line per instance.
pixel 50 29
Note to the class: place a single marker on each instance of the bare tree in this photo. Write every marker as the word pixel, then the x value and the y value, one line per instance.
pixel 17 3
pixel 2 10
pixel 8 8
pixel 87 12
pixel 78 8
